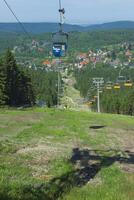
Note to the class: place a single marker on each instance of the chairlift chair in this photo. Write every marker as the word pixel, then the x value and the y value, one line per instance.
pixel 109 85
pixel 128 83
pixel 60 44
pixel 95 97
pixel 93 100
pixel 89 103
pixel 117 86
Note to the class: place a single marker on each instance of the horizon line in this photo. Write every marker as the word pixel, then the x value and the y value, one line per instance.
pixel 75 23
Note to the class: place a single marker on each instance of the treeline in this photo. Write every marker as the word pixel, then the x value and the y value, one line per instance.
pixel 15 84
pixel 11 39
pixel 118 101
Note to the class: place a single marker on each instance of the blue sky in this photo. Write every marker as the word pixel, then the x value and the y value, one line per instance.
pixel 77 11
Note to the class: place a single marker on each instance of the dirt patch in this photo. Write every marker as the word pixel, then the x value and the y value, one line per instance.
pixel 21 118
pixel 30 117
pixel 121 138
pixel 40 156
pixel 40 148
pixel 129 168
pixel 3 126
pixel 96 181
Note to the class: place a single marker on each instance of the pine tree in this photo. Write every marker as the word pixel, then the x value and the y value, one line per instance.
pixel 11 79
pixel 18 84
pixel 26 91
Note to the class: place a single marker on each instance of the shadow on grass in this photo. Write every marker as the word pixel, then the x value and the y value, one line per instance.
pixel 87 164
pixel 97 127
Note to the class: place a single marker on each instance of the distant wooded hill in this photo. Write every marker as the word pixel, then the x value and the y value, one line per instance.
pixel 38 28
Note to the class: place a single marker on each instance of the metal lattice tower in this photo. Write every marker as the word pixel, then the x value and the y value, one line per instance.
pixel 98 82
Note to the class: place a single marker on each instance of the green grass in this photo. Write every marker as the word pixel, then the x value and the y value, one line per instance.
pixel 36 147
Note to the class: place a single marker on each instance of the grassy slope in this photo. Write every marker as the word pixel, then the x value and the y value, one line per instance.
pixel 38 160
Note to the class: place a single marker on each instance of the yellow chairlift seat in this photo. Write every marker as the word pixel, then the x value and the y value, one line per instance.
pixel 89 103
pixel 109 87
pixel 117 86
pixel 95 97
pixel 128 84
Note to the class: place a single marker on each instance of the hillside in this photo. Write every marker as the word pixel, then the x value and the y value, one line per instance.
pixel 112 25
pixel 53 154
pixel 38 28
pixel 87 40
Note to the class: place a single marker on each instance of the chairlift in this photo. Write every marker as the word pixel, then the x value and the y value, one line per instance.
pixel 60 44
pixel 95 97
pixel 117 86
pixel 109 85
pixel 89 103
pixel 60 38
pixel 128 83
pixel 93 100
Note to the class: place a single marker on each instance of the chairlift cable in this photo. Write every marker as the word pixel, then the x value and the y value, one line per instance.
pixel 20 23
pixel 28 35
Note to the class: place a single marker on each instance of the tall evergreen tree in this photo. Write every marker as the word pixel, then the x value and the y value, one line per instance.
pixel 18 84
pixel 11 79
pixel 25 89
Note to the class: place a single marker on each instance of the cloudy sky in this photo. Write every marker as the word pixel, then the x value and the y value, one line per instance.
pixel 77 11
